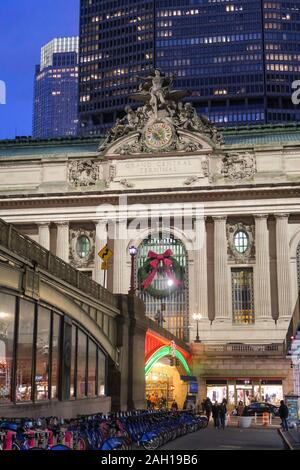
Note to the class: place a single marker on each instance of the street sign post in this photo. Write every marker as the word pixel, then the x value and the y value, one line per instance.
pixel 105 254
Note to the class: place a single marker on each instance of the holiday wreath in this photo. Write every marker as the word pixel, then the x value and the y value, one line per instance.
pixel 164 263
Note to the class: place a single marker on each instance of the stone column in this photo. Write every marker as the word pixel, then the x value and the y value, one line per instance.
pixel 221 269
pixel 120 266
pixel 200 270
pixel 100 242
pixel 62 244
pixel 262 286
pixel 44 235
pixel 283 266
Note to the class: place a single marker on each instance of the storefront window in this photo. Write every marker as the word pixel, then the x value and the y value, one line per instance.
pixel 244 394
pixel 7 322
pixel 35 369
pixel 73 362
pixel 55 356
pixel 42 354
pixel 101 373
pixel 231 395
pixel 25 350
pixel 271 393
pixel 92 369
pixel 257 396
pixel 246 391
pixel 217 392
pixel 81 364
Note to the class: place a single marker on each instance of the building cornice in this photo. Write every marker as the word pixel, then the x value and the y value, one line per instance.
pixel 179 195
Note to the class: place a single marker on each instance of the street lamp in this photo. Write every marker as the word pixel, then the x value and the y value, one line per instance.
pixel 133 252
pixel 197 317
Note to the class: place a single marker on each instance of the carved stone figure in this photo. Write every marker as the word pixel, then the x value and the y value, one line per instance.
pixel 83 172
pixel 131 117
pixel 239 166
pixel 157 92
pixel 126 183
pixel 187 146
pixel 205 172
pixel 159 121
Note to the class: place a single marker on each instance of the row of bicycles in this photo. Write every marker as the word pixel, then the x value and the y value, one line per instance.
pixel 116 431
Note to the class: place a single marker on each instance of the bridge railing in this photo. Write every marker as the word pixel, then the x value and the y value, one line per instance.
pixel 30 250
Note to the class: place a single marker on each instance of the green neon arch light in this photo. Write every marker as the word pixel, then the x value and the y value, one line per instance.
pixel 162 352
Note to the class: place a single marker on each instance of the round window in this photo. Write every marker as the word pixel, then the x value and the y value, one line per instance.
pixel 83 246
pixel 241 241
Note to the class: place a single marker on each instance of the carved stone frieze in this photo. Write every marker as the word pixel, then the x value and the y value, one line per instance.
pixel 233 253
pixel 84 173
pixel 239 166
pixel 195 178
pixel 75 259
pixel 126 183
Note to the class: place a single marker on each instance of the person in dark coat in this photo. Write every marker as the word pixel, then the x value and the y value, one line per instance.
pixel 174 406
pixel 208 407
pixel 223 413
pixel 216 414
pixel 284 414
pixel 149 404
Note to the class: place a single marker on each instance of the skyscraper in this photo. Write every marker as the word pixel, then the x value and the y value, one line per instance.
pixel 237 57
pixel 56 89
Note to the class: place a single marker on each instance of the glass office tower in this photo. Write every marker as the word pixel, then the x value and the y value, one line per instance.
pixel 56 90
pixel 237 57
pixel 116 45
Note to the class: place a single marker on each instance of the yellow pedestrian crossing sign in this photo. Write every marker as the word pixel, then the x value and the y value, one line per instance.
pixel 105 254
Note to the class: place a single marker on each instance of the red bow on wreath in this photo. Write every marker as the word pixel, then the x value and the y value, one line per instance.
pixel 156 259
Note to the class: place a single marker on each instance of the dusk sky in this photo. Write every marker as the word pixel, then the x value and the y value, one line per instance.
pixel 25 26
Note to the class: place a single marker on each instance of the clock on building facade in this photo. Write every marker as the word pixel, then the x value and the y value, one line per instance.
pixel 158 135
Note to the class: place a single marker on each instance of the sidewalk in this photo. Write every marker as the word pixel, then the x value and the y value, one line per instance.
pixel 291 438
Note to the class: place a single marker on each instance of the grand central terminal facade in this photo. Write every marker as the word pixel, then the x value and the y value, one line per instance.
pixel 214 217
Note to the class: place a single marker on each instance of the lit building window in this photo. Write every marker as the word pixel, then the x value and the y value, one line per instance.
pixel 83 246
pixel 241 241
pixel 242 296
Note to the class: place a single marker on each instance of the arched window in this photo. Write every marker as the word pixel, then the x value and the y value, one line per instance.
pixel 166 293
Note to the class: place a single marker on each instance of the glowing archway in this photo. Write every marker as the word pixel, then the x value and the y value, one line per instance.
pixel 162 352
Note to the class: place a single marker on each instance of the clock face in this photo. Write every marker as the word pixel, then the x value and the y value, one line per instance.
pixel 158 135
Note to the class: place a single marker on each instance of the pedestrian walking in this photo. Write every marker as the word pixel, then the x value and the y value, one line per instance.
pixel 284 414
pixel 208 408
pixel 216 414
pixel 223 413
pixel 174 406
pixel 149 403
pixel 240 409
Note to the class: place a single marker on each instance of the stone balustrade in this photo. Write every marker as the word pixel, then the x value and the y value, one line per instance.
pixel 27 248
